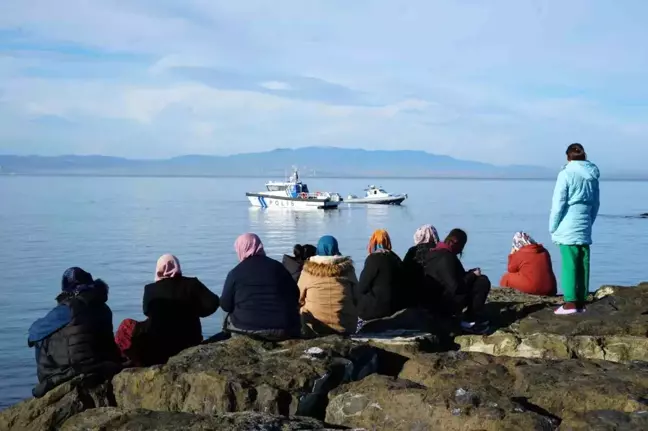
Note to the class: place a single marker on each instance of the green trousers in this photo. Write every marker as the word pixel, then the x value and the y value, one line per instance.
pixel 575 272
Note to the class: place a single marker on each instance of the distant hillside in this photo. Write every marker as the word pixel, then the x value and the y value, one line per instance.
pixel 319 161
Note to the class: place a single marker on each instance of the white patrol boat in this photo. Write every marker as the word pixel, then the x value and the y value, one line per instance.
pixel 377 195
pixel 293 194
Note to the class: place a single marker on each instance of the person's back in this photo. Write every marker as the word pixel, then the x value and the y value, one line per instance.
pixel 377 293
pixel 575 206
pixel 76 337
pixel 530 271
pixel 456 288
pixel 425 240
pixel 259 292
pixel 174 307
pixel 326 293
pixel 576 203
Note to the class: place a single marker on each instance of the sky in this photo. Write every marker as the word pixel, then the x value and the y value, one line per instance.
pixel 498 81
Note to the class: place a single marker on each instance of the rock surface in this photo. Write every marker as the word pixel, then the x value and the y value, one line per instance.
pixel 242 374
pixel 614 328
pixel 459 390
pixel 58 405
pixel 385 403
pixel 111 419
pixel 544 372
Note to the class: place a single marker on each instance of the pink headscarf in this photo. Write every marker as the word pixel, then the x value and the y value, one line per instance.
pixel 168 266
pixel 248 245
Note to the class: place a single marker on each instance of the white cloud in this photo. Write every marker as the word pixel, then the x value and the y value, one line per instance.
pixel 276 85
pixel 496 81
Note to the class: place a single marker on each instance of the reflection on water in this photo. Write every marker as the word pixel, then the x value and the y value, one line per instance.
pixel 281 228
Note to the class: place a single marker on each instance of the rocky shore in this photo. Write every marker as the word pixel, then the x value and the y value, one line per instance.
pixel 537 371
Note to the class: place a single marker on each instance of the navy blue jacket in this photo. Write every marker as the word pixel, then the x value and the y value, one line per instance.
pixel 260 294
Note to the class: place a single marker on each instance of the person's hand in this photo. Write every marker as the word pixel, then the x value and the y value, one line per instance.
pixel 477 272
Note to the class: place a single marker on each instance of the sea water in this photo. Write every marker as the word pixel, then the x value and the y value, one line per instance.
pixel 116 228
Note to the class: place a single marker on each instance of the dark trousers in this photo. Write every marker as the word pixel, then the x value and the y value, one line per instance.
pixel 475 298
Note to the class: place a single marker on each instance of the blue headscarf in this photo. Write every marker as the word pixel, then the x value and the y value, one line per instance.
pixel 75 280
pixel 327 246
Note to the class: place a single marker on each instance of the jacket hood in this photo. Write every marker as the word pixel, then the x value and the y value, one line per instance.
pixel 56 319
pixel 584 168
pixel 328 266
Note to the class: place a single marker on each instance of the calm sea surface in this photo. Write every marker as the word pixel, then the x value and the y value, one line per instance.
pixel 116 228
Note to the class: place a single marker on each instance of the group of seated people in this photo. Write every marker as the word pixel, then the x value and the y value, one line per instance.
pixel 313 293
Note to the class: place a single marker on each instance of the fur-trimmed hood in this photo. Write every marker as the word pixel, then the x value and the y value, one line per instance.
pixel 328 266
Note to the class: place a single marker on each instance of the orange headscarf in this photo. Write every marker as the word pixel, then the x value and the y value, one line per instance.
pixel 379 240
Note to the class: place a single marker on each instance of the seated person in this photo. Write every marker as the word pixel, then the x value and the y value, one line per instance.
pixel 457 289
pixel 259 294
pixel 425 239
pixel 294 263
pixel 381 291
pixel 529 267
pixel 173 305
pixel 76 337
pixel 326 291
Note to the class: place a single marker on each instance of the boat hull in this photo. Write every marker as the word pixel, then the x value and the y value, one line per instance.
pixel 379 201
pixel 279 202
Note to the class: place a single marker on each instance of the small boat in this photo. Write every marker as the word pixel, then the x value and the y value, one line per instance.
pixel 293 194
pixel 377 195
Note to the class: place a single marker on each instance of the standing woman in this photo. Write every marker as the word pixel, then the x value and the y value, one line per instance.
pixel 574 210
pixel 259 294
pixel 173 305
pixel 529 267
pixel 378 292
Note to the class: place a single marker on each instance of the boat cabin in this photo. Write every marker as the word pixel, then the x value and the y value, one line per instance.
pixel 291 189
pixel 375 191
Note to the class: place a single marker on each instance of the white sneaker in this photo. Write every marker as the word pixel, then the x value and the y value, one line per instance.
pixel 562 311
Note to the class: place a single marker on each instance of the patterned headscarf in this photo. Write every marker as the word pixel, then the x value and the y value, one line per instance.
pixel 521 239
pixel 248 245
pixel 168 266
pixel 379 241
pixel 75 280
pixel 426 234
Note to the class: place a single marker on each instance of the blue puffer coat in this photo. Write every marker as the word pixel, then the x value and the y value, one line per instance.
pixel 575 204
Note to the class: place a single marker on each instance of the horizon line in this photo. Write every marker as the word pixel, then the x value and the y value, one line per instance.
pixel 326 176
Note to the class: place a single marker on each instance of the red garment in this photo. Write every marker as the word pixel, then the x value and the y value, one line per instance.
pixel 124 335
pixel 530 271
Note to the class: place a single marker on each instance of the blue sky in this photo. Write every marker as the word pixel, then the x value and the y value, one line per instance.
pixel 496 81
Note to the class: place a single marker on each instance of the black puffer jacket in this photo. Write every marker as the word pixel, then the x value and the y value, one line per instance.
pixel 174 307
pixel 75 338
pixel 378 292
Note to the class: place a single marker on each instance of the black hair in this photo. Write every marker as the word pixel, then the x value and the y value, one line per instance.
pixel 576 152
pixel 309 251
pixel 457 239
pixel 298 252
